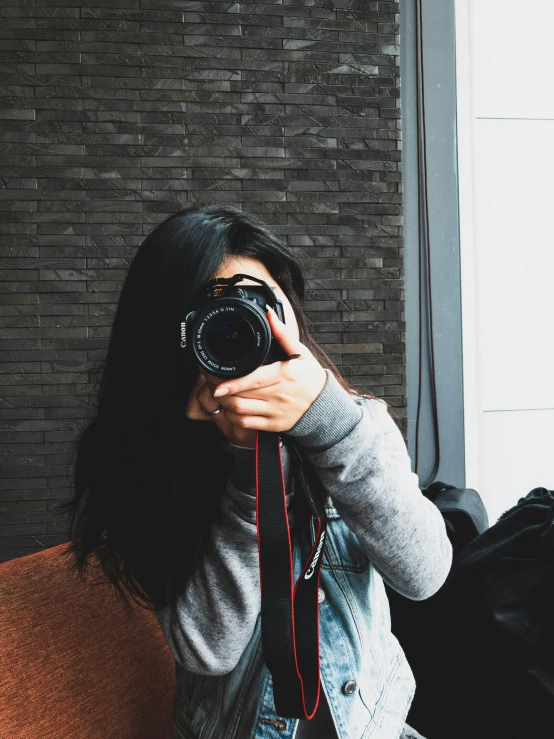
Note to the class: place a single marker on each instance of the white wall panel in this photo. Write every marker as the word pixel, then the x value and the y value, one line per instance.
pixel 506 175
pixel 518 454
pixel 514 242
pixel 512 61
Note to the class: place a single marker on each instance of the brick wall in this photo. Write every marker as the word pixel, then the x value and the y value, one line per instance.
pixel 114 115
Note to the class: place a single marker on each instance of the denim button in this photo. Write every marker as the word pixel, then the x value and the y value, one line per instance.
pixel 349 687
pixel 320 595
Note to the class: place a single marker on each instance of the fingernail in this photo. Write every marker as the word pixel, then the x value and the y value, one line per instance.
pixel 218 392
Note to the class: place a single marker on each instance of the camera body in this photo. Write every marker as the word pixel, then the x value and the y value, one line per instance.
pixel 229 334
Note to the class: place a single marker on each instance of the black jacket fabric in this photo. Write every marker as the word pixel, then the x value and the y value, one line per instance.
pixel 475 645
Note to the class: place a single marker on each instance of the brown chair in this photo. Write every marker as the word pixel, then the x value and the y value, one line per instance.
pixel 74 662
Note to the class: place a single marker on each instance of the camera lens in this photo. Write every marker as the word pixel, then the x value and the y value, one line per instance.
pixel 228 338
pixel 231 336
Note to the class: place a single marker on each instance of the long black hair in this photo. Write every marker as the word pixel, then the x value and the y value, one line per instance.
pixel 146 489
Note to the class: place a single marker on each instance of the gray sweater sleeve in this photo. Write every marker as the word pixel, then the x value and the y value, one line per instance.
pixel 362 460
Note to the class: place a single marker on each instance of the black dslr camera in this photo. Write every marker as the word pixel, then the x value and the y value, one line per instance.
pixel 229 334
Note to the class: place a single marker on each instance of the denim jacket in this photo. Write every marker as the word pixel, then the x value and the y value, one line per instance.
pixel 364 673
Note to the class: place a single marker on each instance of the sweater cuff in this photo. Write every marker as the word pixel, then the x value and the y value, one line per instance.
pixel 329 419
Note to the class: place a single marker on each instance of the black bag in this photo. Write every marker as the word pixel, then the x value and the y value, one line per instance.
pixel 465 517
pixel 413 622
pixel 463 511
pixel 489 634
pixel 512 573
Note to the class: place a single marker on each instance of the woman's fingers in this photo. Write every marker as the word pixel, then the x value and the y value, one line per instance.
pixel 262 393
pixel 264 376
pixel 200 401
pixel 206 400
pixel 261 423
pixel 284 334
pixel 243 406
pixel 233 409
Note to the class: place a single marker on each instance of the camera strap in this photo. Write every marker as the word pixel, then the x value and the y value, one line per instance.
pixel 289 610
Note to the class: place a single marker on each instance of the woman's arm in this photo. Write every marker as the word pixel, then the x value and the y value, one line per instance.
pixel 218 611
pixel 362 460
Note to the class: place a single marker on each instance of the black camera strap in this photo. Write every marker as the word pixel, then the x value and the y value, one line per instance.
pixel 289 611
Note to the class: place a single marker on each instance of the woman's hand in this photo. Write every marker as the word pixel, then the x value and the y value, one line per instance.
pixel 201 400
pixel 272 398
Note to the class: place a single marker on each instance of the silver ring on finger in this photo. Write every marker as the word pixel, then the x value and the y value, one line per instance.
pixel 214 413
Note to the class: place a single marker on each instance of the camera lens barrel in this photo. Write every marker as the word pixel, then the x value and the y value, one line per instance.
pixel 231 336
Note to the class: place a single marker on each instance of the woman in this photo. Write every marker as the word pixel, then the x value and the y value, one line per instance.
pixel 165 495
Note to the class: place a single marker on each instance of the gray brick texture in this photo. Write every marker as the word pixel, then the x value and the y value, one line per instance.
pixel 114 115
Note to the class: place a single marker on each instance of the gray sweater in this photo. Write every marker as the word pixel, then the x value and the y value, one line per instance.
pixel 362 460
